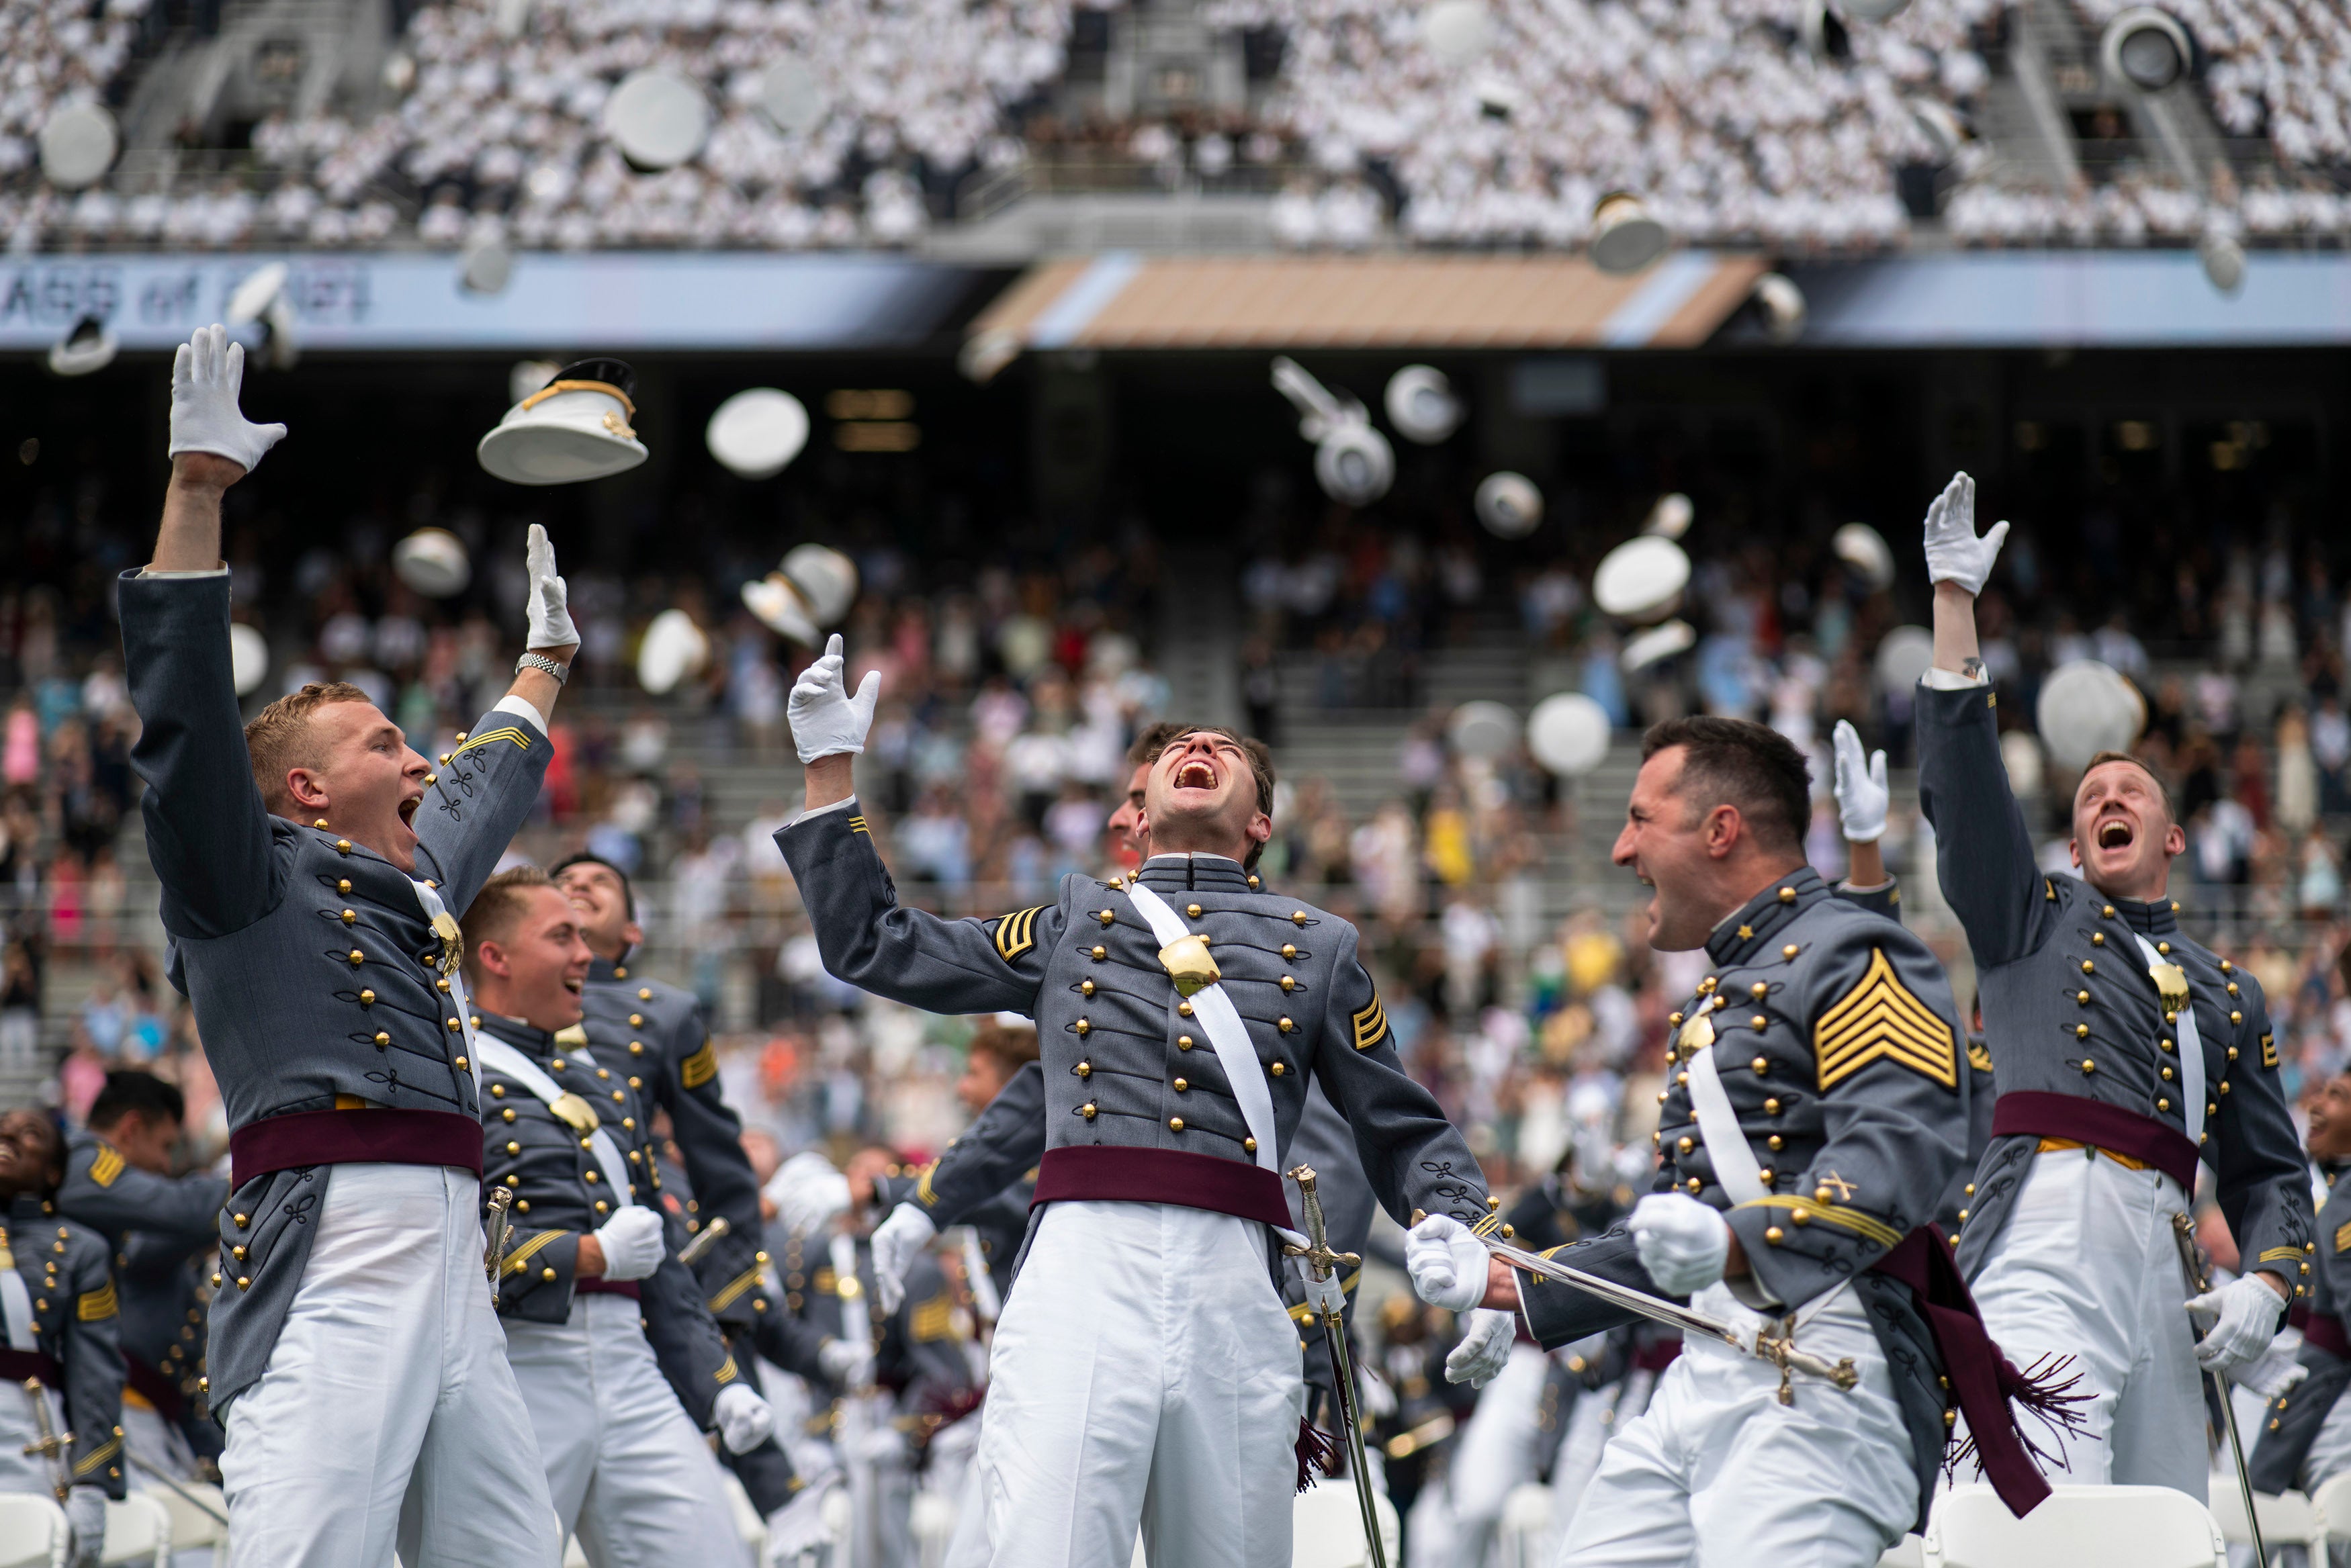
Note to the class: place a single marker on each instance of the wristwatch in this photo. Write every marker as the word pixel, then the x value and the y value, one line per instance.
pixel 541 662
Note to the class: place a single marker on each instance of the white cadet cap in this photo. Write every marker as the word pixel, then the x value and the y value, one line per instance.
pixel 1482 729
pixel 248 657
pixel 826 580
pixel 256 292
pixel 656 117
pixel 781 608
pixel 486 262
pixel 2144 47
pixel 78 144
pixel 1863 548
pixel 1904 655
pixel 1871 10
pixel 2021 754
pixel 1509 504
pixel 1353 463
pixel 1421 404
pixel 576 427
pixel 1568 733
pixel 433 561
pixel 2086 708
pixel 1671 517
pixel 790 98
pixel 1456 30
pixel 1656 645
pixel 90 345
pixel 1641 579
pixel 757 433
pixel 1781 306
pixel 674 649
pixel 1624 237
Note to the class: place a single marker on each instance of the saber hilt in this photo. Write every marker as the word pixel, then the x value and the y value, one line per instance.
pixel 497 1226
pixel 48 1445
pixel 694 1251
pixel 1328 1304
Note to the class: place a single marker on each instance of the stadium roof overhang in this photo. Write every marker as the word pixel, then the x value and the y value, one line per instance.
pixel 1422 301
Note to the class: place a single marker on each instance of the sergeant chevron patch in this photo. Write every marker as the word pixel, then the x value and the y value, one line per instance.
pixel 96 1304
pixel 1880 1017
pixel 1979 1057
pixel 106 1167
pixel 2343 1238
pixel 699 1068
pixel 1016 933
pixel 1371 1024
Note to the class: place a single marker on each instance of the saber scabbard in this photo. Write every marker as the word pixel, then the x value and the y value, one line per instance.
pixel 497 1226
pixel 2198 1269
pixel 1322 1266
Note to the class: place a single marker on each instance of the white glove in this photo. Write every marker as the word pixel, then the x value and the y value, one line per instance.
pixel 632 1243
pixel 1448 1264
pixel 86 1512
pixel 826 720
pixel 1485 1347
pixel 2247 1312
pixel 808 1193
pixel 1954 554
pixel 897 1242
pixel 1683 1243
pixel 206 375
pixel 848 1365
pixel 2276 1369
pixel 798 1529
pixel 1861 791
pixel 744 1420
pixel 550 611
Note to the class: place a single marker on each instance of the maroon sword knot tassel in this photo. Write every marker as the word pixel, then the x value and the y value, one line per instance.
pixel 1316 1450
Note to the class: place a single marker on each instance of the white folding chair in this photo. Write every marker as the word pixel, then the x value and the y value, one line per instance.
pixel 2332 1503
pixel 2075 1526
pixel 573 1557
pixel 1524 1537
pixel 193 1528
pixel 1909 1552
pixel 138 1531
pixel 2288 1519
pixel 32 1531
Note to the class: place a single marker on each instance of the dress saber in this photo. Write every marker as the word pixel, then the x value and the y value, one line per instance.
pixel 704 1240
pixel 50 1446
pixel 1779 1349
pixel 2199 1269
pixel 1322 1264
pixel 497 1226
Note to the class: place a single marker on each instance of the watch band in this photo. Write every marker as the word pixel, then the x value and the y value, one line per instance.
pixel 540 661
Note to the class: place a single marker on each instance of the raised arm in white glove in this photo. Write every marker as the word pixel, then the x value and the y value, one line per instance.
pixel 1448 1264
pixel 208 373
pixel 897 1242
pixel 826 720
pixel 745 1420
pixel 1485 1337
pixel 1954 554
pixel 631 1243
pixel 808 1192
pixel 86 1512
pixel 2246 1312
pixel 550 614
pixel 1683 1243
pixel 1861 791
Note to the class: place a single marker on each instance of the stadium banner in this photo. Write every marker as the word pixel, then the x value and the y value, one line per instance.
pixel 616 300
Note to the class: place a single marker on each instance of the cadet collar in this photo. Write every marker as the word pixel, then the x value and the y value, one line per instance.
pixel 1742 932
pixel 2159 919
pixel 1192 873
pixel 516 1032
pixel 27 1208
pixel 604 972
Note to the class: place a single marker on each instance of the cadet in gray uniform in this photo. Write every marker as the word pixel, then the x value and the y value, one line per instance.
pixel 1144 1369
pixel 2305 1440
pixel 672 1066
pixel 312 867
pixel 605 1328
pixel 117 1182
pixel 2128 1054
pixel 1817 1109
pixel 57 1320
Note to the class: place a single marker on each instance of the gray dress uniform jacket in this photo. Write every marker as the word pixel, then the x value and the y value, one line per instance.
pixel 2295 1415
pixel 75 1352
pixel 1840 1052
pixel 2086 1052
pixel 561 1194
pixel 323 990
pixel 161 1228
pixel 1127 1067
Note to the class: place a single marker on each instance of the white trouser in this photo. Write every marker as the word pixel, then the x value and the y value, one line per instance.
pixel 2087 1267
pixel 387 1404
pixel 1716 1472
pixel 1497 1451
pixel 628 1471
pixel 1143 1372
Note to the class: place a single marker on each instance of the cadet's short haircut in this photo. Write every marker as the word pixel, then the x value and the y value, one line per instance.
pixel 1013 1047
pixel 1737 761
pixel 1150 743
pixel 129 1092
pixel 1260 768
pixel 496 908
pixel 584 857
pixel 278 738
pixel 2162 792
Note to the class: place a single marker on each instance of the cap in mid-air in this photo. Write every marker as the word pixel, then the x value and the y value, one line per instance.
pixel 90 345
pixel 576 427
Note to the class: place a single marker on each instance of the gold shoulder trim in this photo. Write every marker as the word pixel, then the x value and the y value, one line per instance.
pixel 1016 933
pixel 1880 1017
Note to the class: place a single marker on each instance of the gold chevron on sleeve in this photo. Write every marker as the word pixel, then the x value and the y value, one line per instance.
pixel 1371 1024
pixel 1879 1017
pixel 925 1193
pixel 699 1068
pixel 488 737
pixel 529 1250
pixel 1978 1056
pixel 734 1289
pixel 1016 933
pixel 2269 1050
pixel 857 824
pixel 2343 1238
pixel 96 1305
pixel 106 1167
